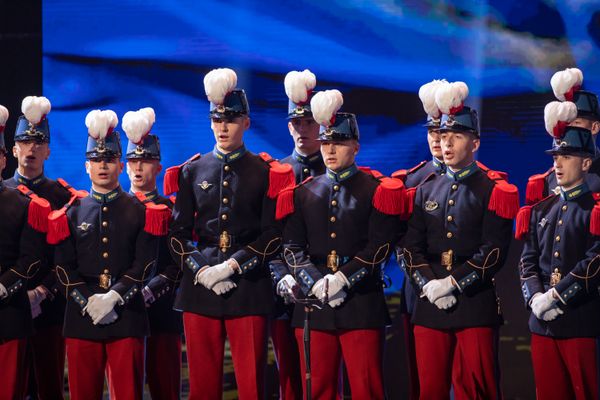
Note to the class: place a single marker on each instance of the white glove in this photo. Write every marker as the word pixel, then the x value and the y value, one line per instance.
pixel 100 305
pixel 3 292
pixel 337 299
pixel 284 287
pixel 109 318
pixel 438 288
pixel 445 302
pixel 208 277
pixel 552 314
pixel 336 283
pixel 224 286
pixel 542 302
pixel 36 296
pixel 148 296
pixel 318 288
pixel 36 310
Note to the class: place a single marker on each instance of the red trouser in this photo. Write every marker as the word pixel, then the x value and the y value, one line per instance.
pixel 163 365
pixel 121 359
pixel 411 357
pixel 47 358
pixel 471 370
pixel 362 350
pixel 205 341
pixel 564 368
pixel 12 377
pixel 288 361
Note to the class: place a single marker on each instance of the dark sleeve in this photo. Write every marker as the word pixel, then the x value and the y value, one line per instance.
pixel 168 273
pixel 529 267
pixel 585 276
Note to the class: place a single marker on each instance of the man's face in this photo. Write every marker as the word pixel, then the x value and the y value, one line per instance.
pixel 2 161
pixel 104 172
pixel 570 170
pixel 31 154
pixel 339 155
pixel 435 146
pixel 459 149
pixel 229 131
pixel 142 174
pixel 305 132
pixel 593 126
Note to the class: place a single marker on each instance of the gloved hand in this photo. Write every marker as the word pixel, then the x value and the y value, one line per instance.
pixel 336 283
pixel 101 304
pixel 317 289
pixel 337 299
pixel 224 286
pixel 208 277
pixel 3 292
pixel 36 296
pixel 284 288
pixel 552 314
pixel 36 310
pixel 445 302
pixel 109 318
pixel 148 296
pixel 438 288
pixel 542 302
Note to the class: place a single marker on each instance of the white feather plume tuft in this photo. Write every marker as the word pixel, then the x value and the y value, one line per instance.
pixel 427 96
pixel 557 115
pixel 565 82
pixel 3 116
pixel 450 97
pixel 299 84
pixel 325 104
pixel 219 82
pixel 35 108
pixel 137 124
pixel 100 123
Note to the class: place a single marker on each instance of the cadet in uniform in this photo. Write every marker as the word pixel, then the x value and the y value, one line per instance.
pixel 163 346
pixel 413 178
pixel 106 248
pixel 566 85
pixel 340 229
pixel 47 346
pixel 23 223
pixel 560 267
pixel 457 239
pixel 226 200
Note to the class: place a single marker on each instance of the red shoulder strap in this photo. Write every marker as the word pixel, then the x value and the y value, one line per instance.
pixel 39 209
pixel 281 175
pixel 74 193
pixel 171 181
pixel 535 187
pixel 285 200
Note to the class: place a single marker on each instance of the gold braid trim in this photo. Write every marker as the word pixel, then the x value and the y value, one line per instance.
pixel 495 251
pixel 28 274
pixel 587 276
pixel 287 252
pixel 68 283
pixel 409 264
pixel 143 273
pixel 181 253
pixel 385 248
pixel 267 253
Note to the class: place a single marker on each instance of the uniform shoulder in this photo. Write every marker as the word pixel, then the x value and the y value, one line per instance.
pixel 171 180
pixel 285 198
pixel 526 213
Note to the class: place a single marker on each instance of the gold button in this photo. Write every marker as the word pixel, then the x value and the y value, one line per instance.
pixel 454 187
pixel 105 209
pixel 449 218
pixel 449 268
pixel 560 221
pixel 557 238
pixel 306 170
pixel 334 203
pixel 104 224
pixel 104 240
pixel 225 183
pixel 451 202
pixel 227 168
pixel 224 217
pixel 556 254
pixel 332 219
pixel 336 187
pixel 225 200
pixel 564 208
pixel 223 249
pixel 449 235
pixel 333 235
pixel 105 255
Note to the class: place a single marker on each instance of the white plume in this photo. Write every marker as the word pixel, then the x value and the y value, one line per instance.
pixel 3 115
pixel 427 96
pixel 35 108
pixel 100 122
pixel 137 124
pixel 449 96
pixel 325 104
pixel 219 82
pixel 563 81
pixel 556 112
pixel 299 84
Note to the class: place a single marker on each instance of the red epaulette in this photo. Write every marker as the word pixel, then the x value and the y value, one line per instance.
pixel 58 224
pixel 171 181
pixel 402 174
pixel 373 172
pixel 281 175
pixel 39 209
pixel 505 196
pixel 595 217
pixel 285 200
pixel 80 194
pixel 390 196
pixel 535 187
pixel 524 217
pixel 158 216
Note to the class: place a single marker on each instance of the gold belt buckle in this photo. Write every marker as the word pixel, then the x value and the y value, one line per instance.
pixel 224 241
pixel 555 277
pixel 333 261
pixel 104 280
pixel 447 258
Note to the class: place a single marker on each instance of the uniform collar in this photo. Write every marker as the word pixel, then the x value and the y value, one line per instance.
pixel 342 175
pixel 440 167
pixel 30 183
pixel 106 197
pixel 307 160
pixel 149 196
pixel 229 157
pixel 574 193
pixel 463 173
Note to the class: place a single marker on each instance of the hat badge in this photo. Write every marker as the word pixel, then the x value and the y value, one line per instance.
pixel 451 121
pixel 139 150
pixel 31 131
pixel 299 110
pixel 221 108
pixel 101 146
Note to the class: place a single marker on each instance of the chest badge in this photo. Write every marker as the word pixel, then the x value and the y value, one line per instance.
pixel 84 226
pixel 543 222
pixel 431 205
pixel 205 185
